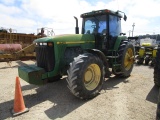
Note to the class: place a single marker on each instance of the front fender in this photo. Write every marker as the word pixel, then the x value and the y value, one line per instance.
pixel 99 53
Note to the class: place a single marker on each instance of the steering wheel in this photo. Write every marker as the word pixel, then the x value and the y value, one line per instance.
pixel 93 26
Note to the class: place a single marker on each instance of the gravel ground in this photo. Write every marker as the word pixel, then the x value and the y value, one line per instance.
pixel 133 98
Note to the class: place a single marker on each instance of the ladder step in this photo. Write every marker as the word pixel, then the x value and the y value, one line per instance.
pixel 112 56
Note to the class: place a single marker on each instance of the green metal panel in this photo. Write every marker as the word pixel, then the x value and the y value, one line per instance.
pixel 32 74
pixel 36 75
pixel 118 41
pixel 61 42
pixel 67 38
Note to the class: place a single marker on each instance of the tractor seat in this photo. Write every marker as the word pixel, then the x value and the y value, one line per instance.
pixel 104 32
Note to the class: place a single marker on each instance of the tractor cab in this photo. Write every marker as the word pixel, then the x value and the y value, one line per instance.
pixel 105 25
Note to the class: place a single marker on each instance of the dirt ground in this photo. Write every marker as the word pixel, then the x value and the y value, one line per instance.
pixel 133 98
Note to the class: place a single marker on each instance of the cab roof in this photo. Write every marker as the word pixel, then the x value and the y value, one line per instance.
pixel 101 12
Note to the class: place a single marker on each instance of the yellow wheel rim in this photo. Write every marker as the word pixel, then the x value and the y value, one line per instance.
pixel 129 59
pixel 92 77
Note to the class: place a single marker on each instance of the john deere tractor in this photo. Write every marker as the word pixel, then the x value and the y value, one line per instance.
pixel 87 58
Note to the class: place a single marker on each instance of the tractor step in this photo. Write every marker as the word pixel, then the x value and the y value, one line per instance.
pixel 112 56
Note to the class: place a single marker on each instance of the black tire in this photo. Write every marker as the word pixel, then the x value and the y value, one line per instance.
pixel 157 69
pixel 122 51
pixel 140 61
pixel 127 71
pixel 158 107
pixel 77 81
pixel 153 62
pixel 146 61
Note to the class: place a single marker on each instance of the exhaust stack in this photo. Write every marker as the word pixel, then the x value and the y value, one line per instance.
pixel 76 28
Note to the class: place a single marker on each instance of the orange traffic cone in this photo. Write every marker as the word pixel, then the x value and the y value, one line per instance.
pixel 19 106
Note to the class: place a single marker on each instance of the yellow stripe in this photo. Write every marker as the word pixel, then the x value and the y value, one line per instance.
pixel 79 42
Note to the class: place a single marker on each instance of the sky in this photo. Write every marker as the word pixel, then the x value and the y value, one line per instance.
pixel 25 16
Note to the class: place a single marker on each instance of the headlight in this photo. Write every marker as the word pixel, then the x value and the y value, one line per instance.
pixel 44 43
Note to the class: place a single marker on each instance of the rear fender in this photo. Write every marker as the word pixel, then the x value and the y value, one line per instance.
pixel 118 42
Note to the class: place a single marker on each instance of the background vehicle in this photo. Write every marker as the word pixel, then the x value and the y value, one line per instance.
pixel 15 45
pixel 85 58
pixel 147 51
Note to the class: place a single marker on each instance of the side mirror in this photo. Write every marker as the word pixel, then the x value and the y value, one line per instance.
pixel 125 17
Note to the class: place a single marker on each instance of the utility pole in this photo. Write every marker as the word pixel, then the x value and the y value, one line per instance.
pixel 133 28
pixel 129 32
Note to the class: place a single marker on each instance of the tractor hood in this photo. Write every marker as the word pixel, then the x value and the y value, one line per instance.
pixel 67 38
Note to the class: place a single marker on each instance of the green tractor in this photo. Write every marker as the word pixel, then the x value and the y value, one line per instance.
pixel 87 58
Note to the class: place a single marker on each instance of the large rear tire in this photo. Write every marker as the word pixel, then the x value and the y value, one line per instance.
pixel 126 58
pixel 86 76
pixel 157 69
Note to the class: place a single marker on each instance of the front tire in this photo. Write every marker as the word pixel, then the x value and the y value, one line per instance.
pixel 86 76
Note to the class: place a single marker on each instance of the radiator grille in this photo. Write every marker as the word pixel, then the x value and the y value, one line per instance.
pixel 45 57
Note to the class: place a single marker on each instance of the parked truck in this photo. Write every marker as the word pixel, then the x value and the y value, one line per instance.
pixel 87 58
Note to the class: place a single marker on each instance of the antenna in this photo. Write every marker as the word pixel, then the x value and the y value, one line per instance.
pixel 133 28
pixel 118 4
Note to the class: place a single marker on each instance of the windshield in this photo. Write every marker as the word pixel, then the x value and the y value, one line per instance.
pixel 114 25
pixel 95 25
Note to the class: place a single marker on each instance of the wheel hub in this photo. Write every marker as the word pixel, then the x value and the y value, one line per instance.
pixel 92 77
pixel 89 75
pixel 129 59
